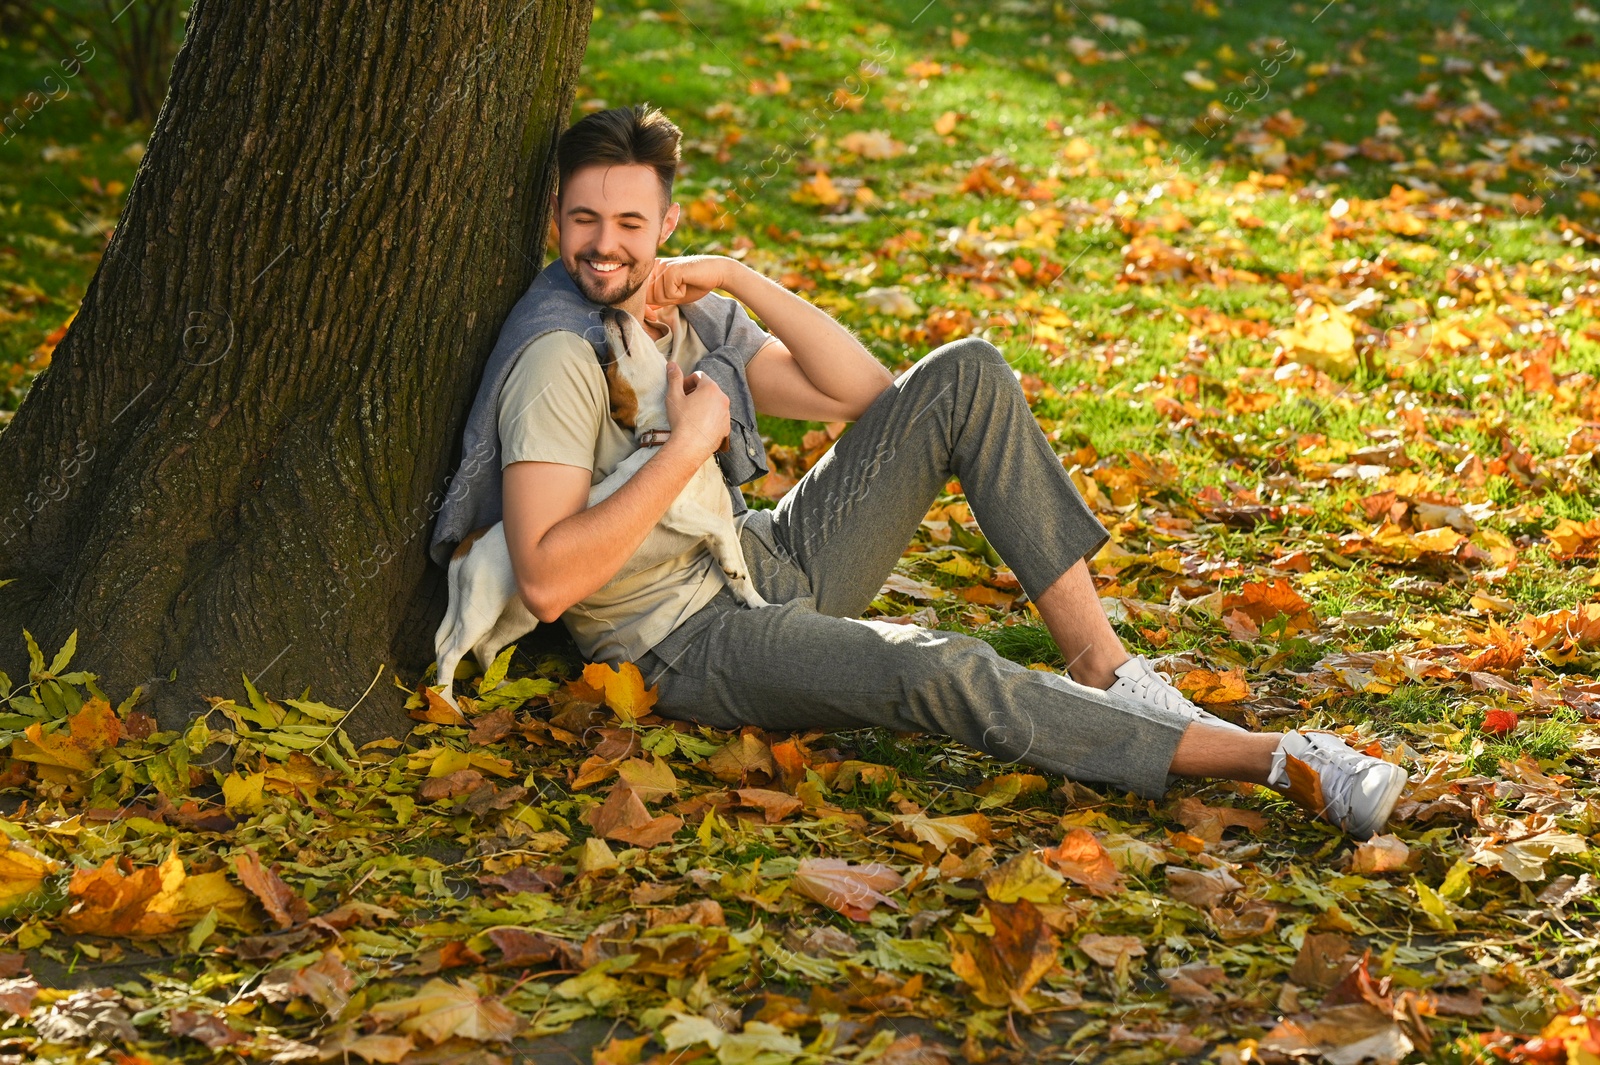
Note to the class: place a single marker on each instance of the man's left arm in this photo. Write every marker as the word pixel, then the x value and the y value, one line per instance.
pixel 815 369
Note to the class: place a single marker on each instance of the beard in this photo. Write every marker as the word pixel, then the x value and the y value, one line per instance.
pixel 614 289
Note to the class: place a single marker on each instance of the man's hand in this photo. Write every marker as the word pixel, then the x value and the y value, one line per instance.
pixel 697 410
pixel 686 278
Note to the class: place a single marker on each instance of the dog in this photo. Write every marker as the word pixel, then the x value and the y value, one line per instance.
pixel 486 612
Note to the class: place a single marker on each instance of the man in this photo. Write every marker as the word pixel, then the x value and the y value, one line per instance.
pixel 820 556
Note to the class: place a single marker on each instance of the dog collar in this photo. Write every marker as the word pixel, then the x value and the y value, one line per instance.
pixel 654 437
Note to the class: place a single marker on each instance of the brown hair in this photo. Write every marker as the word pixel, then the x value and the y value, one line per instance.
pixel 637 135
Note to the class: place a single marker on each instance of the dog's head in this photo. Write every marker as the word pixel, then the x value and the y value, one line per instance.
pixel 636 372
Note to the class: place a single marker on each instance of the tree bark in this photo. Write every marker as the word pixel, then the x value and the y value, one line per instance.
pixel 233 463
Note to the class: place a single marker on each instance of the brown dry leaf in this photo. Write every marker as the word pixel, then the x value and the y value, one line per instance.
pixel 1110 950
pixel 623 817
pixel 741 759
pixel 1380 854
pixel 853 890
pixel 623 688
pixel 441 1010
pixel 436 710
pixel 284 907
pixel 151 901
pixel 326 981
pixel 1201 889
pixel 1210 822
pixel 774 805
pixel 345 1045
pixel 1322 960
pixel 1001 969
pixel 17 995
pixel 1083 860
pixel 207 1028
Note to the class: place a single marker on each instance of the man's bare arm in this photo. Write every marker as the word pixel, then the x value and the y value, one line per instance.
pixel 830 356
pixel 821 369
pixel 563 550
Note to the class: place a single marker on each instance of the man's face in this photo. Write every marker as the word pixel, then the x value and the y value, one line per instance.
pixel 611 223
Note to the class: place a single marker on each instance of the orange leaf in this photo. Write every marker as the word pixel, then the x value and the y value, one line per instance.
pixel 91 730
pixel 1080 858
pixel 282 904
pixel 1204 686
pixel 1305 784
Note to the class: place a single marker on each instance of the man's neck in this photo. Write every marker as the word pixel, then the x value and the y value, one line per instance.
pixel 634 305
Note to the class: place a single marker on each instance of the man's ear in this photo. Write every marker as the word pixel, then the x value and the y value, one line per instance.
pixel 668 223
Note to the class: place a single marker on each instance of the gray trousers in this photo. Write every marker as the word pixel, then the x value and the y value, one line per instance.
pixel 808 660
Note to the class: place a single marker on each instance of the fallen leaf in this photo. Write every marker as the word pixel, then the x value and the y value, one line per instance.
pixel 441 1010
pixel 1380 854
pixel 1002 968
pixel 1083 860
pixel 853 890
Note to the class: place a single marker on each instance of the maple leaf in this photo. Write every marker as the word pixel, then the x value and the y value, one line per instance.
pixel 1204 686
pixel 945 832
pixel 23 871
pixel 623 817
pixel 1261 601
pixel 853 890
pixel 741 759
pixel 441 1010
pixel 1001 969
pixel 151 901
pixel 622 687
pixel 1305 785
pixel 1083 860
pixel 1499 722
pixel 94 728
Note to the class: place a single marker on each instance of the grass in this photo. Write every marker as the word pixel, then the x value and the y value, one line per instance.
pixel 1042 137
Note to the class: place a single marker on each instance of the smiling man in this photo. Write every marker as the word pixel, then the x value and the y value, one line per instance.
pixel 808 660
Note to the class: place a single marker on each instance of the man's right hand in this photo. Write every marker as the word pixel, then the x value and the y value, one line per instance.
pixel 697 410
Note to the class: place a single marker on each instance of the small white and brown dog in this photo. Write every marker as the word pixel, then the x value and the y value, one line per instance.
pixel 486 612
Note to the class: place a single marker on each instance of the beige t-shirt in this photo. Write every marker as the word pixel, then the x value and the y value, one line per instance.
pixel 554 408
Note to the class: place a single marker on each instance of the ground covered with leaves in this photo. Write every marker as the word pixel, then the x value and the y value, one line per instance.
pixel 1307 299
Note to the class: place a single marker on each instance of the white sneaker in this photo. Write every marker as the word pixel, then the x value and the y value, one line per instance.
pixel 1358 791
pixel 1137 679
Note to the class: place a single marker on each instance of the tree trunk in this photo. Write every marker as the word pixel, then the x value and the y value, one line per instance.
pixel 234 461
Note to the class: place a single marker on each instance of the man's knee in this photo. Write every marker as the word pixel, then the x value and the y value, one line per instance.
pixel 949 358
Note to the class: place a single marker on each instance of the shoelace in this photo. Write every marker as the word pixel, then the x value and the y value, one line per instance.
pixel 1146 684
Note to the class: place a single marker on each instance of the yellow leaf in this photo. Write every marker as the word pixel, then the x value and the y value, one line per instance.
pixel 151 901
pixel 22 872
pixel 243 795
pixel 1324 339
pixel 1024 876
pixel 624 689
pixel 945 124
pixel 440 1010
